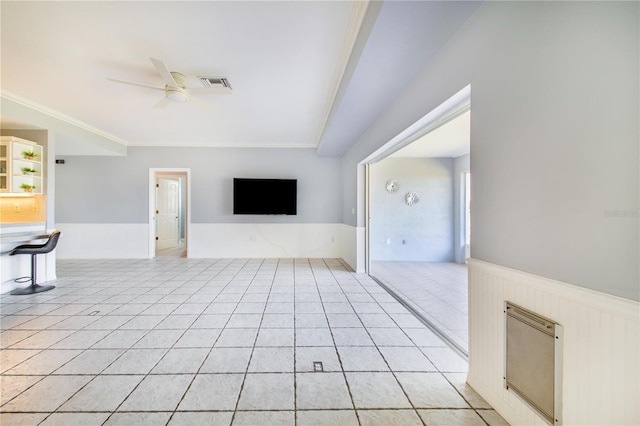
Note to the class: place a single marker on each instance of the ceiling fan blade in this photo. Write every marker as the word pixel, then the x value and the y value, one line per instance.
pixel 164 72
pixel 162 102
pixel 201 104
pixel 134 83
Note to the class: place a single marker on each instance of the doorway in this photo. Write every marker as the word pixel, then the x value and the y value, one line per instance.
pixel 418 201
pixel 169 212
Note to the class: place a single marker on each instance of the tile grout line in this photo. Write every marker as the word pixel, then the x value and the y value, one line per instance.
pixel 188 328
pixel 381 354
pixel 465 400
pixel 246 372
pixel 145 376
pixel 324 281
pixel 439 371
pixel 335 347
pixel 94 376
pixel 295 381
pixel 453 345
pixel 61 366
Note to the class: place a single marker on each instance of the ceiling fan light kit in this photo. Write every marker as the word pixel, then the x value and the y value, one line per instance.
pixel 176 94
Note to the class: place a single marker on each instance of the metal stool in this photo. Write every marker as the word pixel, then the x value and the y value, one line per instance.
pixel 33 250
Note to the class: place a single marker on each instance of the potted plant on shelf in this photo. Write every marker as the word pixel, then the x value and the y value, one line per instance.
pixel 29 154
pixel 27 187
pixel 28 171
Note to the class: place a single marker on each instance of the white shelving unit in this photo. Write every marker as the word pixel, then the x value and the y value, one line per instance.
pixel 14 164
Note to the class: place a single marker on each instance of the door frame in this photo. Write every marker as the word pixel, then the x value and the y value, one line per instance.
pixel 154 173
pixel 367 215
pixel 451 108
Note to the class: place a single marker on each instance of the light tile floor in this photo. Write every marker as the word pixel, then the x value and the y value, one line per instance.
pixel 437 291
pixel 219 342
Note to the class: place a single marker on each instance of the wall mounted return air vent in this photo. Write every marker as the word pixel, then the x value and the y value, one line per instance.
pixel 215 82
pixel 533 367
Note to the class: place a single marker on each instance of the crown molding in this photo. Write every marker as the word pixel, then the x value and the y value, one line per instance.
pixel 229 145
pixel 358 13
pixel 4 94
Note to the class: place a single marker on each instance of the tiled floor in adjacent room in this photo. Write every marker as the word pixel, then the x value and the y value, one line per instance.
pixel 220 341
pixel 438 291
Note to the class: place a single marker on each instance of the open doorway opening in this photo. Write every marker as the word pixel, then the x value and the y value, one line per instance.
pixel 169 212
pixel 418 200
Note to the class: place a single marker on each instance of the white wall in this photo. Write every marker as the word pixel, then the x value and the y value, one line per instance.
pixel 266 240
pixel 353 247
pixel 103 240
pixel 555 163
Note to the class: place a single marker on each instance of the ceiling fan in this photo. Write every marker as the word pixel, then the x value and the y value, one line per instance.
pixel 176 90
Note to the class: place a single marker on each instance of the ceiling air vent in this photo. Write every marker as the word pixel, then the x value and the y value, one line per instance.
pixel 215 82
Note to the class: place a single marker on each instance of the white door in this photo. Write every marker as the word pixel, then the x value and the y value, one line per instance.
pixel 167 214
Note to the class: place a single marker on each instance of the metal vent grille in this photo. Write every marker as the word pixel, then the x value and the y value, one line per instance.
pixel 215 82
pixel 533 362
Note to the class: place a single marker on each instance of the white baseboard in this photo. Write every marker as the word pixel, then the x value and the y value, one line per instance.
pixel 601 373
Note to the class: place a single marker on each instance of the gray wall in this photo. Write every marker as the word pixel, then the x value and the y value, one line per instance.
pixel 422 232
pixel 115 189
pixel 554 137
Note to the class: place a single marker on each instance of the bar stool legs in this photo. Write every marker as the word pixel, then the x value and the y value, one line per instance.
pixel 34 287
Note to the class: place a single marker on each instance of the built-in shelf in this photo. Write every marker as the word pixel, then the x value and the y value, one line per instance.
pixel 19 173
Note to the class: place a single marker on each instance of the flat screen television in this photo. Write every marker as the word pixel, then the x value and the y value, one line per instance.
pixel 265 196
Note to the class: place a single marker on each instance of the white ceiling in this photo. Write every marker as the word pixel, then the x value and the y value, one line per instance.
pixel 452 139
pixel 284 60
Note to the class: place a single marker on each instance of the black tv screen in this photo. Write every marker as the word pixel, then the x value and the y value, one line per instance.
pixel 265 196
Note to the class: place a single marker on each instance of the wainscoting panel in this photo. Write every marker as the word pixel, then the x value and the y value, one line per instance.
pixel 353 241
pixel 247 240
pixel 208 240
pixel 103 240
pixel 601 373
